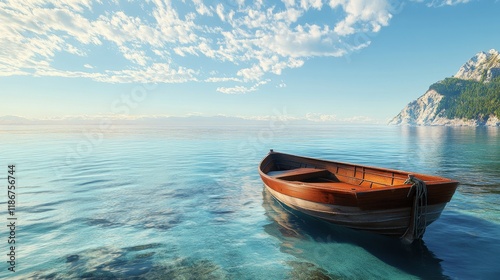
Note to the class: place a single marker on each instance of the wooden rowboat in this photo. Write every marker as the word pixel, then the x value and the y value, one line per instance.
pixel 384 201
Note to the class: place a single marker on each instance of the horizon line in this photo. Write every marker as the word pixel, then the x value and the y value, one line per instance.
pixel 154 119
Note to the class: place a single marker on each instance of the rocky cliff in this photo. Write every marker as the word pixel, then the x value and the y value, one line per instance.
pixel 431 108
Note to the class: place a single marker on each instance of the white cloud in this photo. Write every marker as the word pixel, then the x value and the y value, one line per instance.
pixel 235 90
pixel 222 79
pixel 440 3
pixel 156 73
pixel 332 118
pixel 362 15
pixel 362 119
pixel 220 12
pixel 317 117
pixel 134 55
pixel 247 40
pixel 201 8
pixel 241 89
pixel 252 73
pixel 307 4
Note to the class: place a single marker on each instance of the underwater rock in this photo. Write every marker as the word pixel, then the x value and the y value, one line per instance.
pixel 98 274
pixel 309 271
pixel 142 247
pixel 72 258
pixel 186 269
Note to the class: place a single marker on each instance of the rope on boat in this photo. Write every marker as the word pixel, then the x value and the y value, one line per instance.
pixel 418 222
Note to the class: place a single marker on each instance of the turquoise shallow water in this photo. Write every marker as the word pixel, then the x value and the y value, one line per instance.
pixel 187 203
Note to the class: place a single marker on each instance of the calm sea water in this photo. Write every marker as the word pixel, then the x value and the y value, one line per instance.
pixel 132 202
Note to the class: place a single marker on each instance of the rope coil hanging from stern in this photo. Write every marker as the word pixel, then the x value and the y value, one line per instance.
pixel 418 222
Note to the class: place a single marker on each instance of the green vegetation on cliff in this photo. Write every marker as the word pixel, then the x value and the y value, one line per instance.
pixel 468 99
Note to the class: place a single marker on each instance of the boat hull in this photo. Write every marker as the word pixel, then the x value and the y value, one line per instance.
pixel 393 221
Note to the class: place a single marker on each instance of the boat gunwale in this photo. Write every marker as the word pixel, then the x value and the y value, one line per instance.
pixel 432 179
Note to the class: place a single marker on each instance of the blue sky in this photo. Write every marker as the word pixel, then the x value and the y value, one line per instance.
pixel 335 60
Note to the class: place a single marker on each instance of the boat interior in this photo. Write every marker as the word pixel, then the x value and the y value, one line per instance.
pixel 331 174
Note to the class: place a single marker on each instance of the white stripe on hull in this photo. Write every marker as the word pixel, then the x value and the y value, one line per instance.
pixel 390 221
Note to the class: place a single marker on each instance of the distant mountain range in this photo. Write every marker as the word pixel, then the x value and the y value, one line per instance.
pixel 470 98
pixel 119 120
pixel 277 120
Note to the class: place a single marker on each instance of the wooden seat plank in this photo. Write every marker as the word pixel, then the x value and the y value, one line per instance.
pixel 302 174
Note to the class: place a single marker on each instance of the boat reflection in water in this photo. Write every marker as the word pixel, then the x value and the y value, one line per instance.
pixel 339 252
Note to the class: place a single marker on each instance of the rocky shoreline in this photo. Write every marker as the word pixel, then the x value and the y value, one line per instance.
pixel 483 67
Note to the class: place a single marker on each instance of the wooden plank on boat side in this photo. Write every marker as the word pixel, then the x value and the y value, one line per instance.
pixel 349 179
pixel 379 179
pixel 359 174
pixel 345 170
pixel 338 185
pixel 301 174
